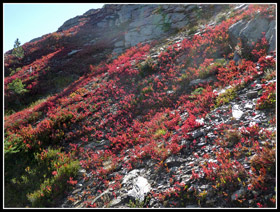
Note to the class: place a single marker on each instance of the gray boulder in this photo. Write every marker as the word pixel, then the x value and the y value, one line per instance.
pixel 271 35
pixel 140 185
pixel 202 81
pixel 252 31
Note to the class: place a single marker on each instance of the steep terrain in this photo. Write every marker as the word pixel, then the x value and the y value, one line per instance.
pixel 186 118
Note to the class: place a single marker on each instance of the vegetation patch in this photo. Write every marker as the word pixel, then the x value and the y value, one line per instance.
pixel 37 180
pixel 226 97
pixel 268 98
pixel 146 68
pixel 127 113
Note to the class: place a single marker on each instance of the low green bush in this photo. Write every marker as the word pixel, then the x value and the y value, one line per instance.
pixel 39 179
pixel 17 86
pixel 226 97
pixel 55 184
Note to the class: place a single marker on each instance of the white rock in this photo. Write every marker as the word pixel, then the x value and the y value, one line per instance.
pixel 200 121
pixel 249 106
pixel 238 7
pixel 268 56
pixel 130 175
pixel 116 201
pixel 252 123
pixel 81 172
pixel 236 112
pixel 141 187
pixel 73 52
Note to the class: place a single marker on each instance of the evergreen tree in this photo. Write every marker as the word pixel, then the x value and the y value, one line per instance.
pixel 18 50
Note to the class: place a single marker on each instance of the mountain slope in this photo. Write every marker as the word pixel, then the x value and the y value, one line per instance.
pixel 185 121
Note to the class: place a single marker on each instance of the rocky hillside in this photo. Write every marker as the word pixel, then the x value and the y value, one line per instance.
pixel 145 106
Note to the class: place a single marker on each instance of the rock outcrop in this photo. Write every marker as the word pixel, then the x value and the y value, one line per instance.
pixel 251 30
pixel 134 23
pixel 129 24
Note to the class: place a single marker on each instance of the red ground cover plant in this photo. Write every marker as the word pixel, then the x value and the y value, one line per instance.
pixel 268 98
pixel 140 115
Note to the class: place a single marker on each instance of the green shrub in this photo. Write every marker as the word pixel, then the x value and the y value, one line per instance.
pixel 265 158
pixel 55 168
pixel 18 50
pixel 136 204
pixel 267 102
pixel 13 145
pixel 38 101
pixel 54 187
pixel 226 97
pixel 39 179
pixel 9 112
pixel 268 98
pixel 221 17
pixel 160 132
pixel 269 74
pixel 197 91
pixel 184 80
pixel 205 72
pixel 12 72
pixel 146 90
pixel 17 86
pixel 146 68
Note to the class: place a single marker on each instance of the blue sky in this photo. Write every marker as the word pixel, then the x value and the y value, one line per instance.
pixel 26 21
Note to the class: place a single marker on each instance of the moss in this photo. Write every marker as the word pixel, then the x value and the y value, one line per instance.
pixel 160 132
pixel 197 91
pixel 166 26
pixel 225 97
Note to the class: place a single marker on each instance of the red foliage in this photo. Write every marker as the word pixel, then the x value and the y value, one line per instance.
pixel 140 117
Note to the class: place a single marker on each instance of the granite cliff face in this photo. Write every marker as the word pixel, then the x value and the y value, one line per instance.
pixel 136 23
pixel 185 118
